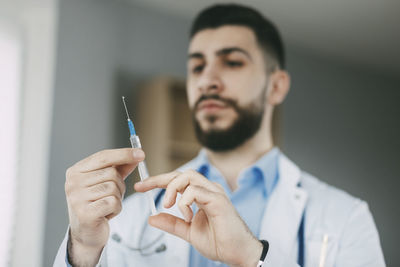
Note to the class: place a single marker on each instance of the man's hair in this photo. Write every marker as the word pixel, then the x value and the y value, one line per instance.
pixel 265 31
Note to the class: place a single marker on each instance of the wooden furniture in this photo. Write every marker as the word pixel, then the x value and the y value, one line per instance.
pixel 164 124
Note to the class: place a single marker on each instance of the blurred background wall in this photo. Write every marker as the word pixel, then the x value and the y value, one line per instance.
pixel 339 122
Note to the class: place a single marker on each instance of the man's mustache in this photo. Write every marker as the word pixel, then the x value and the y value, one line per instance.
pixel 226 101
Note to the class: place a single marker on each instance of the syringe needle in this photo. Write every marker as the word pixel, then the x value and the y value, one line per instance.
pixel 126 110
pixel 130 123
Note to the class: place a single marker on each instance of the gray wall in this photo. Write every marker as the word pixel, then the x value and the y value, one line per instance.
pixel 341 123
pixel 339 120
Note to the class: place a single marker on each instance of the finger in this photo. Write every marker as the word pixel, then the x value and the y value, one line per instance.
pixel 211 202
pixel 126 169
pixel 110 174
pixel 219 187
pixel 108 207
pixel 160 181
pixel 110 157
pixel 171 224
pixel 182 181
pixel 191 193
pixel 103 190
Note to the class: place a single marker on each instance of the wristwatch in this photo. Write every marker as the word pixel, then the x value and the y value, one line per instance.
pixel 264 252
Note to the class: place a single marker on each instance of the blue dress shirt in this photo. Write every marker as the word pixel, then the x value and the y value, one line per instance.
pixel 255 184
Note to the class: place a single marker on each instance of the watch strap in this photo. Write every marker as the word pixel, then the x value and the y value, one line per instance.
pixel 264 252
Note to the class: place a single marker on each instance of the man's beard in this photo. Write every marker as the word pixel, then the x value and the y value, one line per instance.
pixel 242 129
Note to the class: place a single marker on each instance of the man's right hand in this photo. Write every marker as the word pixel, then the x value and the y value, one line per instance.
pixel 94 189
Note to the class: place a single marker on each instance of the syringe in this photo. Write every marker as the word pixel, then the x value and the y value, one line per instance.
pixel 143 172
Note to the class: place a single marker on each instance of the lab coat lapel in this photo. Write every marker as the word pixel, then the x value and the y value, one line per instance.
pixel 177 248
pixel 178 251
pixel 285 207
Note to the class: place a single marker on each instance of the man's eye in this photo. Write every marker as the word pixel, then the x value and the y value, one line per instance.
pixel 197 69
pixel 232 63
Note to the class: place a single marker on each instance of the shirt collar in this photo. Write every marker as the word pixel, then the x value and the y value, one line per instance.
pixel 266 167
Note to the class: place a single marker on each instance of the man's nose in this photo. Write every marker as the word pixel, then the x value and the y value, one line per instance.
pixel 210 81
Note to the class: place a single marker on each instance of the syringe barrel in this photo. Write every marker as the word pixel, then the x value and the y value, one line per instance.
pixel 143 173
pixel 135 141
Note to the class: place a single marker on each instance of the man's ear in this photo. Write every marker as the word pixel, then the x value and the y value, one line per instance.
pixel 279 84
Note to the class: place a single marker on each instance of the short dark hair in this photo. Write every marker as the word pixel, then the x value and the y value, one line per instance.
pixel 265 31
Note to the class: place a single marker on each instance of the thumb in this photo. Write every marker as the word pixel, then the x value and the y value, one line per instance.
pixel 171 224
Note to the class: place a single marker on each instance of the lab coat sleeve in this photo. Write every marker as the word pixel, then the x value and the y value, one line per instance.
pixel 277 258
pixel 61 259
pixel 359 244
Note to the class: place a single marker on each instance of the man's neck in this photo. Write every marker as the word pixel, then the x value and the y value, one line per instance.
pixel 231 163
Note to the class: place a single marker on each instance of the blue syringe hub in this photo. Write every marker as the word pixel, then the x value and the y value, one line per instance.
pixel 131 127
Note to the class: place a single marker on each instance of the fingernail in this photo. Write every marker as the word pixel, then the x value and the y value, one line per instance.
pixel 138 153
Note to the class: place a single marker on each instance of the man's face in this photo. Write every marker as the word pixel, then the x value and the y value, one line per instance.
pixel 226 81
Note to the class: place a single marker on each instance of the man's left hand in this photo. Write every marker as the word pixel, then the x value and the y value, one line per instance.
pixel 216 230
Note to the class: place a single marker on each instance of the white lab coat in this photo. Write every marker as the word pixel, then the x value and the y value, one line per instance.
pixel 352 236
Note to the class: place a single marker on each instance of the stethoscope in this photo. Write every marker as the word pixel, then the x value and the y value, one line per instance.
pixel 147 251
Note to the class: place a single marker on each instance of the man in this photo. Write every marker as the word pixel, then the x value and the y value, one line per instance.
pixel 239 190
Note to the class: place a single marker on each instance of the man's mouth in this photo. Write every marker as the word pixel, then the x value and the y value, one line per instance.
pixel 211 105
